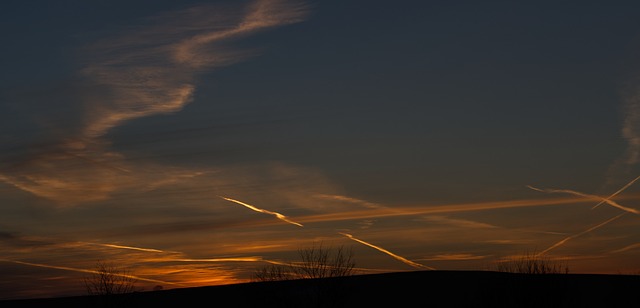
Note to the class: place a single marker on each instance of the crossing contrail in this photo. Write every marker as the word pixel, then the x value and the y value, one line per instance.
pixel 617 192
pixel 560 243
pixel 278 215
pixel 573 192
pixel 409 262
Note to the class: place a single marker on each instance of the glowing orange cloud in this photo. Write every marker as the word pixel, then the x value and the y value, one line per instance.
pixel 278 215
pixel 409 262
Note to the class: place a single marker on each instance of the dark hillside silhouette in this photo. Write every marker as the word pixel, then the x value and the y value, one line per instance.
pixel 402 289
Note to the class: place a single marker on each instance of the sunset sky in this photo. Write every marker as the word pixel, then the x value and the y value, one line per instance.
pixel 193 142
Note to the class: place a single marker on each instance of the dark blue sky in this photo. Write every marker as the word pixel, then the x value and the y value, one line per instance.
pixel 140 114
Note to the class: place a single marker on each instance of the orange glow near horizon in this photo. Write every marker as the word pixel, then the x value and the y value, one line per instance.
pixel 79 270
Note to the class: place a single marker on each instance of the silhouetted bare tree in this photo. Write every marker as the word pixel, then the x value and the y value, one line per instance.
pixel 324 267
pixel 320 262
pixel 316 261
pixel 107 281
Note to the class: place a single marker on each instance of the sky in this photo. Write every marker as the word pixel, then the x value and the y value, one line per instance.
pixel 195 142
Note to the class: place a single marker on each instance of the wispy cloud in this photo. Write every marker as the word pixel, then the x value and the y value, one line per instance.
pixel 152 69
pixel 147 69
pixel 397 257
pixel 630 131
pixel 630 127
pixel 277 215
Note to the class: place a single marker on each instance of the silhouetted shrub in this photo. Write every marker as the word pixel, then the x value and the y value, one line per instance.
pixel 532 263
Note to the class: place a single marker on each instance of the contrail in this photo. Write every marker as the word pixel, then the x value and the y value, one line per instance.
pixel 64 268
pixel 243 259
pixel 617 192
pixel 278 215
pixel 125 247
pixel 414 264
pixel 579 234
pixel 629 247
pixel 605 200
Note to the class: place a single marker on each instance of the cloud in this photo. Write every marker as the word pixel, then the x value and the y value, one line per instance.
pixel 148 69
pixel 153 68
pixel 631 127
pixel 630 131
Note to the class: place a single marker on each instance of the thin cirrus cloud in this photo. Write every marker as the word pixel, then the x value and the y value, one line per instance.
pixel 153 70
pixel 147 70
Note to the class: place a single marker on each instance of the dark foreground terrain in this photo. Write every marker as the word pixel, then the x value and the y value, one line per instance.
pixel 403 289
